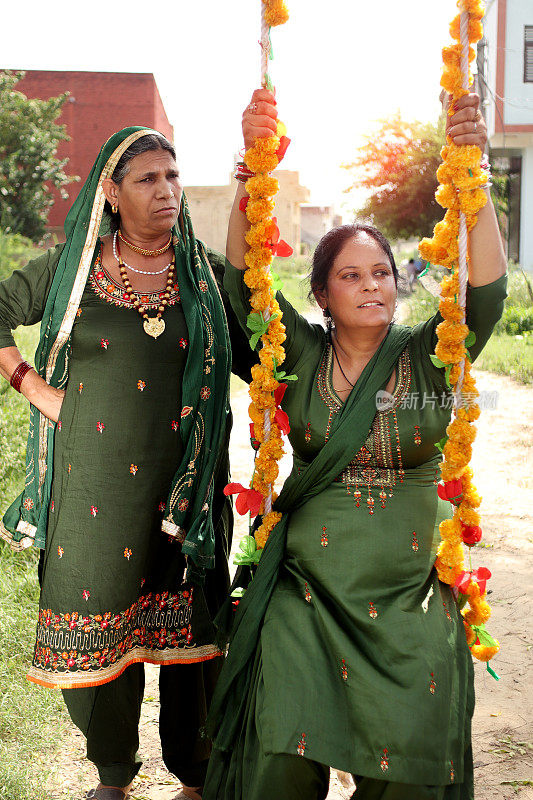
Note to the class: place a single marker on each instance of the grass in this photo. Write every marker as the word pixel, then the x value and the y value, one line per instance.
pixel 293 273
pixel 32 719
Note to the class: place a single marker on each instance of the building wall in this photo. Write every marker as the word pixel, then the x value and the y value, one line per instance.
pixel 210 208
pixel 519 95
pixel 509 109
pixel 316 221
pixel 100 104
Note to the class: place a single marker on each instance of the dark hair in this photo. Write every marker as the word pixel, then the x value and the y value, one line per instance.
pixel 152 141
pixel 331 244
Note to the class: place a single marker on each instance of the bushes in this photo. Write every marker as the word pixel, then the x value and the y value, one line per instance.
pixel 510 349
pixel 515 320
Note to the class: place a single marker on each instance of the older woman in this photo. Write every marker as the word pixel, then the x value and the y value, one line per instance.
pixel 127 455
pixel 347 651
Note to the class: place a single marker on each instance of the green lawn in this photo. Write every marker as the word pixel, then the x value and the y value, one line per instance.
pixel 32 719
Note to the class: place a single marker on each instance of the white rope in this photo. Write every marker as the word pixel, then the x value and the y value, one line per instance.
pixel 265 53
pixel 463 234
pixel 265 46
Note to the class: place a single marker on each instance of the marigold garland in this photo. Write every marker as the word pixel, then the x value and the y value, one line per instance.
pixel 460 177
pixel 262 237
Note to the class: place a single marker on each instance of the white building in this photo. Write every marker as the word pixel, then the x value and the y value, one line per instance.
pixel 505 67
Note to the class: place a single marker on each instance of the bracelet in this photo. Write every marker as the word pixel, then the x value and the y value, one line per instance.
pixel 242 173
pixel 19 374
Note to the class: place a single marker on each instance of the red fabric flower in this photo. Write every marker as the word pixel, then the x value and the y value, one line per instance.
pixel 480 576
pixel 243 202
pixel 282 420
pixel 247 499
pixel 451 490
pixel 279 393
pixel 284 142
pixel 471 534
pixel 277 245
pixel 253 441
pixel 280 416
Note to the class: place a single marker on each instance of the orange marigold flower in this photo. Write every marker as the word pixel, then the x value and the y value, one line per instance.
pixel 484 652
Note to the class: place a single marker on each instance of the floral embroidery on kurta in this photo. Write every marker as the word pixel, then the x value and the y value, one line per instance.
pixel 432 684
pixel 372 610
pixel 205 393
pixel 127 553
pixel 28 504
pixel 156 621
pixel 100 426
pixel 104 343
pixel 324 537
pixel 414 543
pixel 308 596
pixel 134 469
pixel 384 760
pixel 141 385
pixel 344 670
pixel 94 511
pixel 307 434
pixel 301 745
pixel 60 551
pixel 417 437
pixel 183 343
pixel 80 388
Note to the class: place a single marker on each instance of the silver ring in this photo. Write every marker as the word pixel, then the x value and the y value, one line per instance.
pixel 252 108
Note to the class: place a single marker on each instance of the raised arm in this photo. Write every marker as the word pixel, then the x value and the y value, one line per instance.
pixel 258 120
pixel 22 299
pixel 487 260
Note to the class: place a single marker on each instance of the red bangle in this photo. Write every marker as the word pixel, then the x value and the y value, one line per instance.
pixel 18 375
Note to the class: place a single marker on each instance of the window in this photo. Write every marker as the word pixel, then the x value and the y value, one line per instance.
pixel 528 54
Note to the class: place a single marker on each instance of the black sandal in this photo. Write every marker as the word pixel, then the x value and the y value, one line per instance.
pixel 106 794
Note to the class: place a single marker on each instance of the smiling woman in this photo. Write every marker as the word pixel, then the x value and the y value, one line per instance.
pixel 127 458
pixel 348 649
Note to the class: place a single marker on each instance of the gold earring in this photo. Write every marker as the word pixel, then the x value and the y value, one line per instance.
pixel 114 208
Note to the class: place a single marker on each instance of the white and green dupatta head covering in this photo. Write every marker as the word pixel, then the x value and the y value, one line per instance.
pixel 188 514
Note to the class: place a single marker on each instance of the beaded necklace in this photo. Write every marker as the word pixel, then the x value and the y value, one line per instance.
pixel 153 326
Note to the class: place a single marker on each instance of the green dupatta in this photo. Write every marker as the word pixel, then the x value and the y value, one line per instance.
pixel 350 428
pixel 188 514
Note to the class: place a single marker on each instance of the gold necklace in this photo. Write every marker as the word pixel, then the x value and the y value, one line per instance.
pixel 141 250
pixel 153 326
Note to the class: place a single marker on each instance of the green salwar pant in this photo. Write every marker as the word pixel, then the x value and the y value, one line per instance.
pixel 294 777
pixel 108 716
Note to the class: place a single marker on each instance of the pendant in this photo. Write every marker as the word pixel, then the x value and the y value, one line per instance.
pixel 154 326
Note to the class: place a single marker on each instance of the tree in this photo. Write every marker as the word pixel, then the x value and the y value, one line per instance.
pixel 29 136
pixel 398 165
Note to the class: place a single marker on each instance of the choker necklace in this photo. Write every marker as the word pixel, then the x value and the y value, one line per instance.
pixel 153 326
pixel 141 250
pixel 340 367
pixel 116 253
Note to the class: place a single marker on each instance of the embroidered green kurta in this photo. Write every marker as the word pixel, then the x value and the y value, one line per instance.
pixel 112 591
pixel 363 663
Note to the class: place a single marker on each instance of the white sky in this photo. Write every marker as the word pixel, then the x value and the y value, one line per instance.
pixel 339 65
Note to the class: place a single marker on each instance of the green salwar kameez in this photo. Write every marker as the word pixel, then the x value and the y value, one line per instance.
pixel 362 662
pixel 111 581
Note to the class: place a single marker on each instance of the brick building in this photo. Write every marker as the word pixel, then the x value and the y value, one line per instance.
pixel 100 104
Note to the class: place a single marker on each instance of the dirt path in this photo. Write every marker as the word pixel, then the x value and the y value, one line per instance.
pixel 503 749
